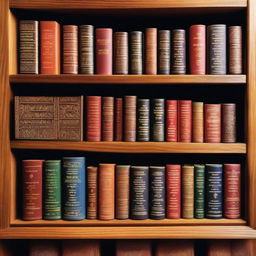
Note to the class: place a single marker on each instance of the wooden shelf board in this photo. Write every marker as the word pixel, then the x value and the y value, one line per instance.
pixel 134 147
pixel 129 79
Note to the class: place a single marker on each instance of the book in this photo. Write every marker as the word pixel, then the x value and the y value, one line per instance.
pixel 92 192
pixel 104 52
pixel 43 247
pixel 49 47
pixel 130 105
pixel 213 190
pixel 32 189
pixel 118 119
pixel 139 186
pixel 136 52
pixel 157 192
pixel 151 51
pixel 107 118
pixel 74 188
pixel 171 121
pixel 197 49
pixel 158 119
pixel 86 49
pixel 143 120
pixel 228 122
pixel 28 47
pixel 219 248
pixel 121 53
pixel 198 122
pixel 184 120
pixel 242 247
pixel 164 51
pixel 133 247
pixel 106 197
pixel 52 190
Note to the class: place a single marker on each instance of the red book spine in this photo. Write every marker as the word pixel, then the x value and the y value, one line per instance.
pixel 173 191
pixel 232 197
pixel 32 189
pixel 184 120
pixel 197 49
pixel 107 118
pixel 151 51
pixel 212 117
pixel 119 119
pixel 93 118
pixel 171 121
pixel 104 51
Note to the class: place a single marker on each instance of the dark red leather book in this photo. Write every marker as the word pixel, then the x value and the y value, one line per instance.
pixel 118 119
pixel 43 248
pixel 151 51
pixel 184 120
pixel 219 248
pixel 107 118
pixel 133 248
pixel 171 121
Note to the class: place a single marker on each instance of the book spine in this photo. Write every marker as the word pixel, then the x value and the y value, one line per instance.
pixel 171 121
pixel 104 51
pixel 136 53
pixel 143 120
pixel 93 118
pixel 49 47
pixel 187 191
pixel 198 122
pixel 121 53
pixel 232 194
pixel 52 189
pixel 40 247
pixel 28 47
pixel 32 189
pixel 228 122
pixel 92 192
pixel 122 191
pixel 178 52
pixel 197 49
pixel 216 38
pixel 107 118
pixel 184 120
pixel 235 49
pixel 74 188
pixel 118 119
pixel 86 49
pixel 164 52
pixel 157 192
pixel 139 182
pixel 199 191
pixel 132 247
pixel 106 191
pixel 173 191
pixel 151 51
pixel 213 189
pixel 158 118
pixel 212 117
pixel 130 104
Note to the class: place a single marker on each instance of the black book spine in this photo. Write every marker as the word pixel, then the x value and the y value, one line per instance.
pixel 164 52
pixel 136 53
pixel 158 118
pixel 143 120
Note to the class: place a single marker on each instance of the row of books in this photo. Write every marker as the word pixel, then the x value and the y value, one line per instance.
pixel 53 190
pixel 124 119
pixel 162 51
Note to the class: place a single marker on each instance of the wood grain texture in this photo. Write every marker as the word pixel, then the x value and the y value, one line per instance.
pixel 134 147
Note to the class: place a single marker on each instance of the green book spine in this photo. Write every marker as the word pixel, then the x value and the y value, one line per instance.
pixel 199 191
pixel 52 189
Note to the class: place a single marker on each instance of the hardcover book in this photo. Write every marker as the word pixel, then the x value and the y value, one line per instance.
pixel 164 51
pixel 151 51
pixel 43 248
pixel 130 106
pixel 184 120
pixel 198 122
pixel 92 192
pixel 171 121
pixel 107 118
pixel 118 119
pixel 143 120
pixel 133 248
pixel 121 53
pixel 136 52
pixel 228 122
pixel 158 119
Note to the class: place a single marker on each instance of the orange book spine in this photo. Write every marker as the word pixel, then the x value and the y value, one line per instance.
pixel 151 51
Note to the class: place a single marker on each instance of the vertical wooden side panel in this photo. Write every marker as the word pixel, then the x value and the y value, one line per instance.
pixel 13 43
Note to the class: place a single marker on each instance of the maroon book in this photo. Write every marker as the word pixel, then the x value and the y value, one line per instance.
pixel 118 119
pixel 184 120
pixel 107 118
pixel 171 121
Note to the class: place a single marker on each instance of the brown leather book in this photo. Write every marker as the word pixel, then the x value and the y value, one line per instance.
pixel 118 119
pixel 92 192
pixel 219 248
pixel 43 248
pixel 151 51
pixel 242 247
pixel 130 104
pixel 228 122
pixel 107 118
pixel 121 53
pixel 133 248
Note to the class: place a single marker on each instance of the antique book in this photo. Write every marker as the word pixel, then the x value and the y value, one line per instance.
pixel 143 120
pixel 219 248
pixel 242 247
pixel 228 122
pixel 130 104
pixel 198 122
pixel 92 192
pixel 184 120
pixel 151 51
pixel 164 51
pixel 158 119
pixel 133 248
pixel 28 47
pixel 118 119
pixel 107 118
pixel 136 52
pixel 121 53
pixel 43 247
pixel 171 121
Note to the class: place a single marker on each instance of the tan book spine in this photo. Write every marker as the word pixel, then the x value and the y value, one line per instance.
pixel 151 51
pixel 107 118
pixel 198 122
pixel 130 103
pixel 121 53
pixel 92 192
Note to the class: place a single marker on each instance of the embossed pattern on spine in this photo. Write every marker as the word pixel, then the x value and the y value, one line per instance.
pixel 143 120
pixel 121 53
pixel 107 118
pixel 228 122
pixel 164 51
pixel 184 120
pixel 92 192
pixel 198 122
pixel 118 119
pixel 171 121
pixel 158 119
pixel 130 105
pixel 151 51
pixel 136 52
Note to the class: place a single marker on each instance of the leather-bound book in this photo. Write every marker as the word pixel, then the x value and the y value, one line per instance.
pixel 118 119
pixel 178 58
pixel 143 120
pixel 74 188
pixel 93 118
pixel 184 120
pixel 28 47
pixel 219 248
pixel 130 105
pixel 171 121
pixel 212 123
pixel 232 194
pixel 173 191
pixel 242 247
pixel 49 47
pixel 32 189
pixel 136 52
pixel 86 49
pixel 151 51
pixel 121 53
pixel 157 192
pixel 104 51
pixel 158 119
pixel 235 49
pixel 213 190
pixel 122 191
pixel 228 122
pixel 107 118
pixel 133 248
pixel 43 248
pixel 198 122
pixel 92 192
pixel 52 190
pixel 106 197
pixel 164 51
pixel 139 186
pixel 216 49
pixel 187 187
pixel 197 49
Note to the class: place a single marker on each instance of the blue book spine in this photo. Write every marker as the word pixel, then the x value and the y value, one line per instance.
pixel 74 180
